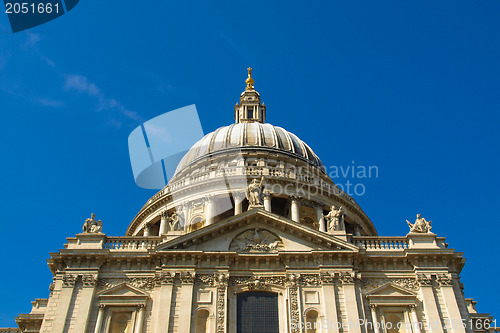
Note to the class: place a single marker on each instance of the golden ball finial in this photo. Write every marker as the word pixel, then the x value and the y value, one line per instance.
pixel 249 81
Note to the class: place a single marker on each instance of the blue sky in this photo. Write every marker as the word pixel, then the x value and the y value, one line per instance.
pixel 409 87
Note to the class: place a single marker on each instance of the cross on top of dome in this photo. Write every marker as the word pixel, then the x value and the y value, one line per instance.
pixel 249 109
pixel 249 81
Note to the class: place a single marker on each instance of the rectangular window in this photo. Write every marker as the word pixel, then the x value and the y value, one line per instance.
pixel 249 112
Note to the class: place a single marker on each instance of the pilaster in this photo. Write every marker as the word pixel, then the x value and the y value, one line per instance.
pixel 187 287
pixel 89 281
pixel 429 301
pixel 161 308
pixel 351 303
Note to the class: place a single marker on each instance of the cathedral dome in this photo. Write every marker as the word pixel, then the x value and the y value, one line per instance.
pixel 250 136
pixel 211 182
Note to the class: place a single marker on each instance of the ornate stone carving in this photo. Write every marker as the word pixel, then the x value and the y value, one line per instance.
pixel 335 219
pixel 420 225
pixel 205 279
pixel 147 283
pixel 221 309
pixel 164 278
pixel 69 280
pixel 347 277
pixel 424 279
pixel 254 193
pixel 327 278
pixel 255 241
pixel 89 280
pixel 310 280
pixel 408 283
pixel 91 226
pixel 257 282
pixel 444 279
pixel 187 277
pixel 173 222
pixel 293 292
pixel 222 281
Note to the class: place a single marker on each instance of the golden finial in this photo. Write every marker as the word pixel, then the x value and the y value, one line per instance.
pixel 249 80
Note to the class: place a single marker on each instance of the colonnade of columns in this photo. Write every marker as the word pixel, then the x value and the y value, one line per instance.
pixel 209 212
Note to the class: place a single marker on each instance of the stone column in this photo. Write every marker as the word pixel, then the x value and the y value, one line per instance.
pixel 238 202
pixel 64 303
pixel 187 280
pixel 85 302
pixel 351 303
pixel 140 319
pixel 376 325
pixel 100 318
pixel 357 230
pixel 321 218
pixel 184 208
pixel 163 223
pixel 267 201
pixel 295 209
pixel 209 209
pixel 430 306
pixel 329 305
pixel 415 325
pixel 161 308
pixel 147 229
pixel 450 300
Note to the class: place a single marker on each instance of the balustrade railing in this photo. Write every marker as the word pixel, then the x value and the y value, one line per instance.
pixel 131 243
pixel 380 243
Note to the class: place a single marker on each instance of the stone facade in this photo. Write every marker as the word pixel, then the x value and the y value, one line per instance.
pixel 208 237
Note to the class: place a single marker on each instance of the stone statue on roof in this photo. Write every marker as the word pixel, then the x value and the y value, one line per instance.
pixel 421 225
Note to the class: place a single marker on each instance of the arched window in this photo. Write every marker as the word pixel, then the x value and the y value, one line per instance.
pixel 312 321
pixel 201 325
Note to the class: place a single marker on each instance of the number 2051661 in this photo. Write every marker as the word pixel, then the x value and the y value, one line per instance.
pixel 31 8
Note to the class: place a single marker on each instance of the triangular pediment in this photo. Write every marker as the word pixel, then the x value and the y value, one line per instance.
pixel 267 231
pixel 124 290
pixel 390 290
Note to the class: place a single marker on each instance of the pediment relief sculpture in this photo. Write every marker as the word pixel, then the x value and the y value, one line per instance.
pixel 256 241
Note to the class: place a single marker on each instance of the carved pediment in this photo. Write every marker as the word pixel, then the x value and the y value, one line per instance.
pixel 256 240
pixel 257 231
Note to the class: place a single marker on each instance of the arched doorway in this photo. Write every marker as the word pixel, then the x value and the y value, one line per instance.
pixel 257 311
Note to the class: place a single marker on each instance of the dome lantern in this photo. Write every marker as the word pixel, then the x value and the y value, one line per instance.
pixel 250 109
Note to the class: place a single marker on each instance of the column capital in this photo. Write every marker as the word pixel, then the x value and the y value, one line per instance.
pixel 89 280
pixel 347 277
pixel 69 280
pixel 444 279
pixel 267 195
pixel 424 279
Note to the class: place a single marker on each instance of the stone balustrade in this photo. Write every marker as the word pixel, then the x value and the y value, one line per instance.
pixel 255 171
pixel 381 243
pixel 9 330
pixel 131 243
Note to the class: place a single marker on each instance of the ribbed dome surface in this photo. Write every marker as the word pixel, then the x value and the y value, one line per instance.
pixel 249 135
